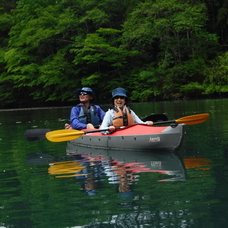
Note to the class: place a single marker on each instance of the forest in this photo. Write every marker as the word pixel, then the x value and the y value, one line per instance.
pixel 157 50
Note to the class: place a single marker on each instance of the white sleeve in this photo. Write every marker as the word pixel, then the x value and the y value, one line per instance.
pixel 136 118
pixel 107 121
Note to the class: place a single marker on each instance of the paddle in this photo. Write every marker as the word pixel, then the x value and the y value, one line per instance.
pixel 153 117
pixel 156 118
pixel 67 135
pixel 39 134
pixel 35 134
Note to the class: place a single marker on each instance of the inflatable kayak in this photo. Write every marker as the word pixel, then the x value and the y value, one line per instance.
pixel 135 137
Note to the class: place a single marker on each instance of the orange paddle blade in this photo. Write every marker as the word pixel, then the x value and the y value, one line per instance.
pixel 194 119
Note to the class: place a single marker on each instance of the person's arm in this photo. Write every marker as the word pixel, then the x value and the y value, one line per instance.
pixel 74 121
pixel 138 120
pixel 107 120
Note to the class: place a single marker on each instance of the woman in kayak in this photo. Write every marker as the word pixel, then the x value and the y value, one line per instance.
pixel 120 114
pixel 85 115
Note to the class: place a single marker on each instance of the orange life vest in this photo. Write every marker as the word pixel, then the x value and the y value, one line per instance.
pixel 122 117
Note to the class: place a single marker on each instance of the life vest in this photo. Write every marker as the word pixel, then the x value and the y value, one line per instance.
pixel 122 117
pixel 89 115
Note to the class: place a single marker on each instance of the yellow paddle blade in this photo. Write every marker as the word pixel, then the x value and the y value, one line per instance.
pixel 194 119
pixel 63 135
pixel 67 168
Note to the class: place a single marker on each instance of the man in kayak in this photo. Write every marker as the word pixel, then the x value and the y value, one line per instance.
pixel 120 114
pixel 85 115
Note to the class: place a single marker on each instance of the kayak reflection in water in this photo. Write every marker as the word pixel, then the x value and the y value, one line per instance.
pixel 91 170
pixel 118 173
pixel 125 181
pixel 90 177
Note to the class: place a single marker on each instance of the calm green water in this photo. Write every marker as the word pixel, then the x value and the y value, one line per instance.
pixel 43 187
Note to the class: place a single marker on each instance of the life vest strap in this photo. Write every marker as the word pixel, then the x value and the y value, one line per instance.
pixel 117 117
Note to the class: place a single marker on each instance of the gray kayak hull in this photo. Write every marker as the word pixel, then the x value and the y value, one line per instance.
pixel 169 138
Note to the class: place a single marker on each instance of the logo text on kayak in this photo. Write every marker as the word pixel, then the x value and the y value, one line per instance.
pixel 157 139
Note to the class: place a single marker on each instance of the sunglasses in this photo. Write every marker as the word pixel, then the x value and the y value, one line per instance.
pixel 119 97
pixel 83 93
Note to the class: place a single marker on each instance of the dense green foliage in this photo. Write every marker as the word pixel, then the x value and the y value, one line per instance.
pixel 156 49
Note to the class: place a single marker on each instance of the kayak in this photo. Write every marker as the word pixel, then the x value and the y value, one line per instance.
pixel 135 137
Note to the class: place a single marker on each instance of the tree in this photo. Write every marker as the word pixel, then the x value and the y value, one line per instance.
pixel 216 77
pixel 170 34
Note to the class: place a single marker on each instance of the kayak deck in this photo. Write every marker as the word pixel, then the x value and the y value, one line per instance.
pixel 138 129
